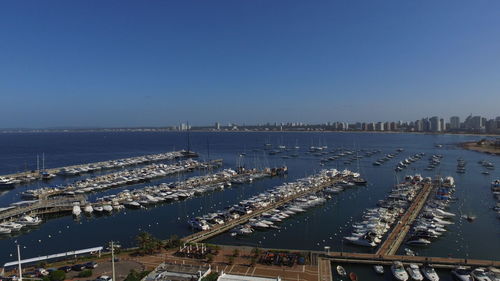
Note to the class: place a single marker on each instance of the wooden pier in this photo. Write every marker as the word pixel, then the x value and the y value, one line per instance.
pixel 439 262
pixel 44 207
pixel 218 229
pixel 398 233
pixel 36 174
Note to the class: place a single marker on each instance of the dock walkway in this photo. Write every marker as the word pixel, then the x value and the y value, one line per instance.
pixel 440 262
pixel 43 207
pixel 206 234
pixel 398 233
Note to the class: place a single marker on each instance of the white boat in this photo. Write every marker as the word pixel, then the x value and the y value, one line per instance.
pixel 132 205
pixel 199 225
pixel 479 274
pixel 399 272
pixel 379 269
pixel 341 271
pixel 429 273
pixel 98 209
pixel 419 241
pixel 88 209
pixel 360 241
pixel 5 230
pixel 414 272
pixel 28 220
pixel 76 210
pixel 107 208
pixel 11 225
pixel 462 274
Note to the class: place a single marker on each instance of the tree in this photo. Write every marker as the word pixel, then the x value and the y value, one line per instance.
pixel 85 273
pixel 147 243
pixel 57 275
pixel 211 277
pixel 173 242
pixel 136 276
pixel 256 251
pixel 230 259
pixel 210 258
pixel 253 261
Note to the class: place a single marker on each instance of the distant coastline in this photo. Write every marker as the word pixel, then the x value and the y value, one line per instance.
pixel 487 148
pixel 210 130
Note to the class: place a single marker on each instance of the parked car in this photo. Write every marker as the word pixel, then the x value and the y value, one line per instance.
pixel 65 268
pixel 104 278
pixel 41 272
pixel 78 267
pixel 91 265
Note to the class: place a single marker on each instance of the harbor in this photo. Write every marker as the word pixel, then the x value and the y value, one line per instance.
pixel 42 173
pixel 241 202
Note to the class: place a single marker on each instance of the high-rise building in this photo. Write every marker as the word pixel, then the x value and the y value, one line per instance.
pixel 455 123
pixel 435 125
pixel 217 125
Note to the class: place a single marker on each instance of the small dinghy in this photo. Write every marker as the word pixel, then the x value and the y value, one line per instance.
pixel 341 271
pixel 353 276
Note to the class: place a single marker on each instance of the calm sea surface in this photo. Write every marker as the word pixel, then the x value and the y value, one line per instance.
pixel 318 227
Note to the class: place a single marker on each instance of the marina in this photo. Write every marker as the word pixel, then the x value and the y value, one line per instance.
pixel 165 205
pixel 10 180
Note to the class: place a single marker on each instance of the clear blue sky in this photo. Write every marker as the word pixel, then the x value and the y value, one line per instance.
pixel 154 63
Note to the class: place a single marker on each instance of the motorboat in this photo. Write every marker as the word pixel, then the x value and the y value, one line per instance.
pixel 11 225
pixel 414 272
pixel 341 271
pixel 379 269
pixel 462 273
pixel 479 274
pixel 399 272
pixel 28 220
pixel 418 241
pixel 88 209
pixel 429 273
pixel 4 230
pixel 107 208
pixel 76 210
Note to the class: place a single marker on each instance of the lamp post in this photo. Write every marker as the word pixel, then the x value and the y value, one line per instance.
pixel 19 263
pixel 112 260
pixel 327 249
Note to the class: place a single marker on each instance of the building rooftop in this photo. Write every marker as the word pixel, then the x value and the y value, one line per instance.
pixel 177 272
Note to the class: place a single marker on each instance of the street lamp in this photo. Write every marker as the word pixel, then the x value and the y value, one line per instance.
pixel 327 249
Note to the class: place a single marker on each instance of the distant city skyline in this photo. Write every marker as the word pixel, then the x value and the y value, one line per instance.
pixel 133 64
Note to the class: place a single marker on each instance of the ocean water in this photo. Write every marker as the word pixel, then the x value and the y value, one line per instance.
pixel 321 226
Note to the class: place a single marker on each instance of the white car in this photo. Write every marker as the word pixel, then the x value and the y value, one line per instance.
pixel 104 278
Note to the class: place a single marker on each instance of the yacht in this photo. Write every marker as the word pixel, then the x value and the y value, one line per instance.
pixel 429 273
pixel 88 209
pixel 479 274
pixel 399 272
pixel 11 225
pixel 5 230
pixel 76 210
pixel 414 272
pixel 107 208
pixel 28 220
pixel 418 241
pixel 462 274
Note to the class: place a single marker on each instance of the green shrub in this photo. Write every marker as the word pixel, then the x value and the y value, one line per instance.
pixel 211 277
pixel 57 275
pixel 136 276
pixel 85 273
